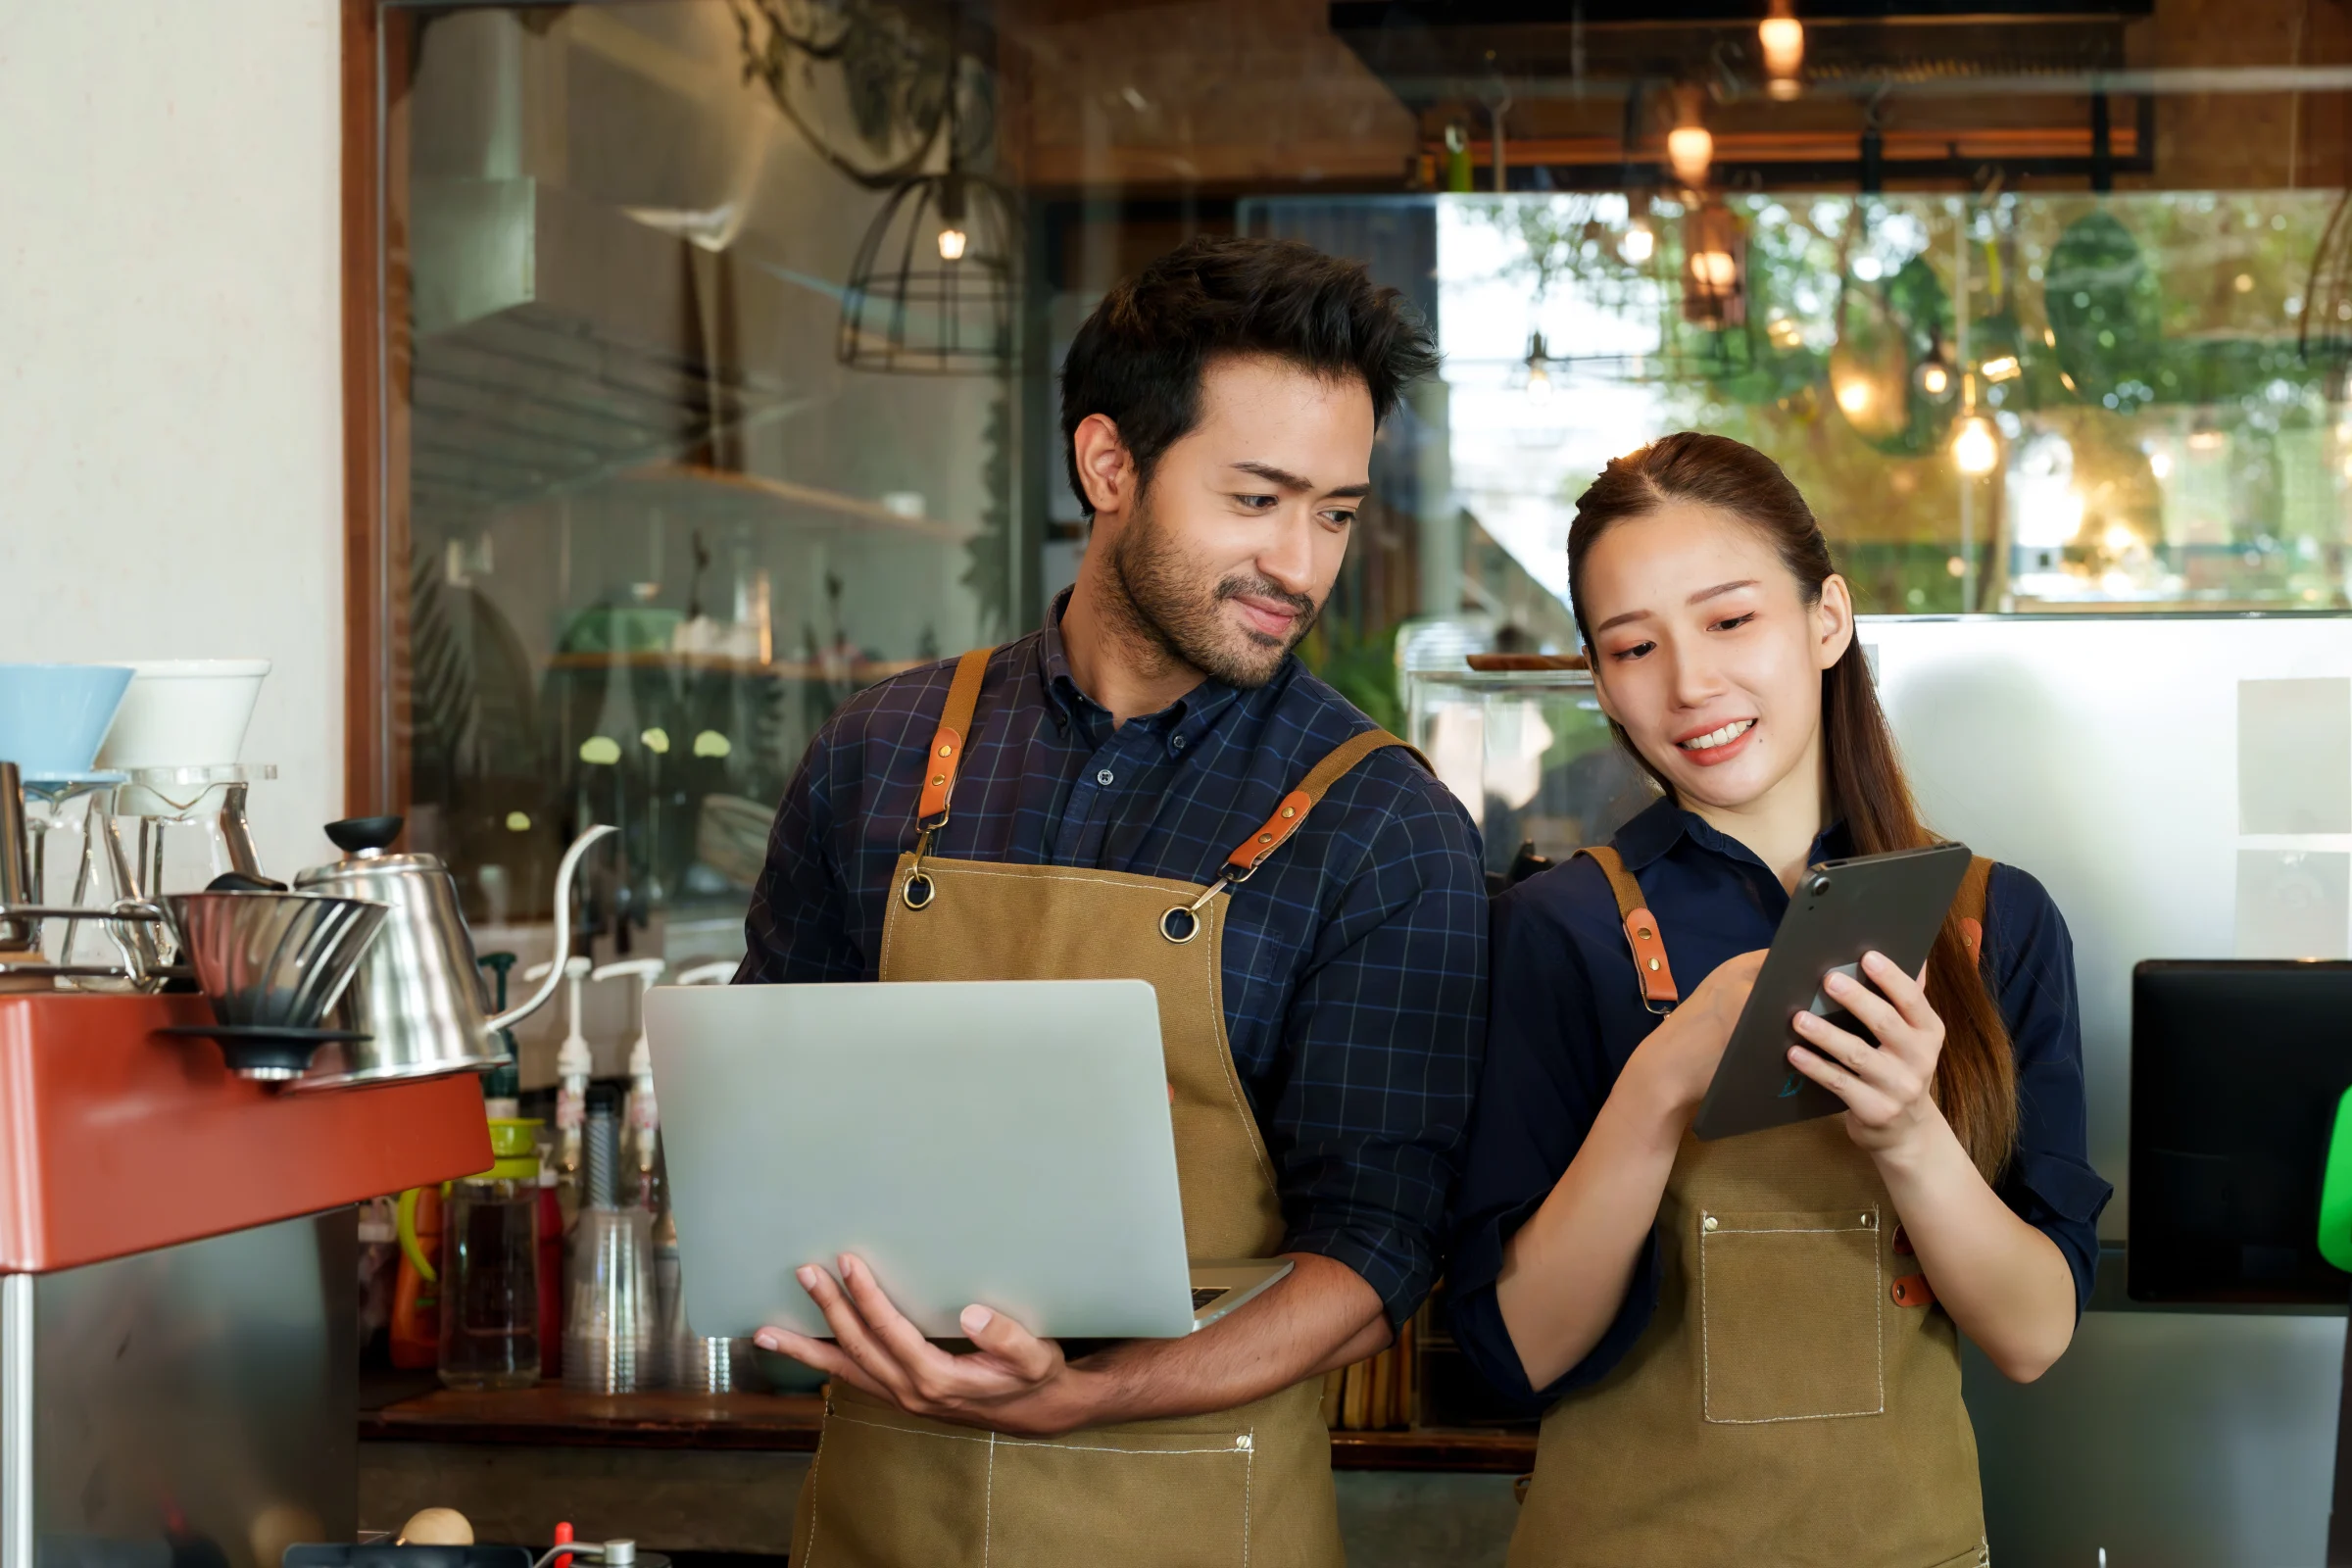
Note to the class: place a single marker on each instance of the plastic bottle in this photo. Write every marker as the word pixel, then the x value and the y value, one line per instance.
pixel 490 1267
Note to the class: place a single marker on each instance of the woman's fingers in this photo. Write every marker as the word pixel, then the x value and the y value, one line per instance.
pixel 1857 1056
pixel 1909 996
pixel 1862 1099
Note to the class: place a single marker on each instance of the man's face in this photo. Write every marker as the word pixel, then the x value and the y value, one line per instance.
pixel 1227 556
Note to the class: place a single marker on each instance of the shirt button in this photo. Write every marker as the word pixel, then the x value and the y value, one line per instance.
pixel 1102 777
pixel 1178 743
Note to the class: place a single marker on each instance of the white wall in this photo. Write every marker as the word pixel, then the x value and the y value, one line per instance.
pixel 171 400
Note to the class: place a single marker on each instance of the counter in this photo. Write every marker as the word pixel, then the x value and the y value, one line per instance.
pixel 719 1473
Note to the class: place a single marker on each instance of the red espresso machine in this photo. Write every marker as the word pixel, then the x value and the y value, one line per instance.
pixel 179 1266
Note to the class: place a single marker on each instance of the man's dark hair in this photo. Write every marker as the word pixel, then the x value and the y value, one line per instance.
pixel 1138 359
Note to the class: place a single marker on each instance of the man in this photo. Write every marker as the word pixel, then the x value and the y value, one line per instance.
pixel 1069 805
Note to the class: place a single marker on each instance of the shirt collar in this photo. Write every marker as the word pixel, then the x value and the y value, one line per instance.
pixel 1661 825
pixel 1183 721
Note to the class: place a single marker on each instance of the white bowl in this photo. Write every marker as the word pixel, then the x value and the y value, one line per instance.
pixel 184 713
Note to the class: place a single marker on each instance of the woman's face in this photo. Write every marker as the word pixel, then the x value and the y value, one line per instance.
pixel 1705 651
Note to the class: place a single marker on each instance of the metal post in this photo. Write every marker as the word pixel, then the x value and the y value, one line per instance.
pixel 15 936
pixel 16 1421
pixel 1968 483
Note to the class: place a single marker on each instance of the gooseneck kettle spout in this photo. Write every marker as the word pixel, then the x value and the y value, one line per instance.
pixel 564 872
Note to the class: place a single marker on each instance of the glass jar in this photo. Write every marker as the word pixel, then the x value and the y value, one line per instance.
pixel 490 1268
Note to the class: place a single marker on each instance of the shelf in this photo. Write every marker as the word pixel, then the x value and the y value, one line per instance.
pixel 864 672
pixel 788 1423
pixel 694 485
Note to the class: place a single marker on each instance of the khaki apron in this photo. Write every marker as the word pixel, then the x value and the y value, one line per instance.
pixel 1244 1487
pixel 1796 1399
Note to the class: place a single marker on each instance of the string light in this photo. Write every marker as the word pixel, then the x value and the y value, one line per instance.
pixel 1639 243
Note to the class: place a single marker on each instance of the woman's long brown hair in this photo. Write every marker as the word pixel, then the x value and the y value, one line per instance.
pixel 1976 1078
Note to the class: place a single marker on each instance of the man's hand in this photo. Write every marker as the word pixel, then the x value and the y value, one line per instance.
pixel 1322 1315
pixel 1014 1382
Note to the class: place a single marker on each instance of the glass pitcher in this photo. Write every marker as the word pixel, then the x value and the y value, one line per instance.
pixel 490 1267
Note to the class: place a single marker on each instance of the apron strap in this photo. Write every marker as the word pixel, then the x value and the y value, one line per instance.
pixel 1254 850
pixel 1648 947
pixel 947 746
pixel 1969 905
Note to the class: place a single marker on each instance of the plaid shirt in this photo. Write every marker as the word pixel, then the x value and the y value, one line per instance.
pixel 1355 958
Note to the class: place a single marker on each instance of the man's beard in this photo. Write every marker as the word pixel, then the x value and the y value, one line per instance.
pixel 1180 617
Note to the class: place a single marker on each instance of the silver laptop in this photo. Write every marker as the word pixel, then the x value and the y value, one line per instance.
pixel 1001 1141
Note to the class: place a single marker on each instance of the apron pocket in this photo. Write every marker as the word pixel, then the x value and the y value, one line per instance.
pixel 1789 1315
pixel 1112 1496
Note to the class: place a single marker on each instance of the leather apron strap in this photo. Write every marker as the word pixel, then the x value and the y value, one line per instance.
pixel 1648 946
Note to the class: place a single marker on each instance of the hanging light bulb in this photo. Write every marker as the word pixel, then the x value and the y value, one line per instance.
pixel 952 237
pixel 1975 446
pixel 1934 379
pixel 1689 146
pixel 1538 379
pixel 1640 244
pixel 1783 38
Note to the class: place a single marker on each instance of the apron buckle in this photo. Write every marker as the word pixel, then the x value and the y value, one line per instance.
pixel 1182 922
pixel 920 889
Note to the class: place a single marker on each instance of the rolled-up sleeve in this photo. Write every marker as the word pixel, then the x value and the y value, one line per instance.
pixel 1385 1032
pixel 1545 1081
pixel 2049 1182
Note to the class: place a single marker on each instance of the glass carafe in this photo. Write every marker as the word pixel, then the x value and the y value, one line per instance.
pixel 490 1268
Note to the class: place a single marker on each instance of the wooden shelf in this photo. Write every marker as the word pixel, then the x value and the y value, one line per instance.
pixel 695 484
pixel 788 1423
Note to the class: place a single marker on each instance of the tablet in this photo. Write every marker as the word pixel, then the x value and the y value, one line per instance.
pixel 1890 904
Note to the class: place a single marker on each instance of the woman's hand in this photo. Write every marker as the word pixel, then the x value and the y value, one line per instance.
pixel 1680 1055
pixel 1886 1089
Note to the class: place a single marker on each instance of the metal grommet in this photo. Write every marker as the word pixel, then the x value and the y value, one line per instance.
pixel 1180 925
pixel 918 892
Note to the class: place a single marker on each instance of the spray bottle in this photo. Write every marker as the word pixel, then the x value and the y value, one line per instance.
pixel 574 1064
pixel 641 1120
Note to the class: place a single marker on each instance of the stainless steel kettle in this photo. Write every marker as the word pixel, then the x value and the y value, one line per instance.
pixel 417 994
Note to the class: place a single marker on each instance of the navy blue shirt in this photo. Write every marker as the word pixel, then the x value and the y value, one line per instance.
pixel 1355 958
pixel 1566 1014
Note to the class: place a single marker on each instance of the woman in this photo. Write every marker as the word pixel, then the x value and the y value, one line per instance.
pixel 1752 1343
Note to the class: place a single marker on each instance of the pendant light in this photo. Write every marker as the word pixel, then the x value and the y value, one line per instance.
pixel 1690 145
pixel 1783 39
pixel 932 288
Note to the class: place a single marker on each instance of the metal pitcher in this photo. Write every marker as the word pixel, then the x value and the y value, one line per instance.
pixel 419 995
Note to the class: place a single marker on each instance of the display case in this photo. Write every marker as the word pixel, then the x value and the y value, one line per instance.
pixel 1522 741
